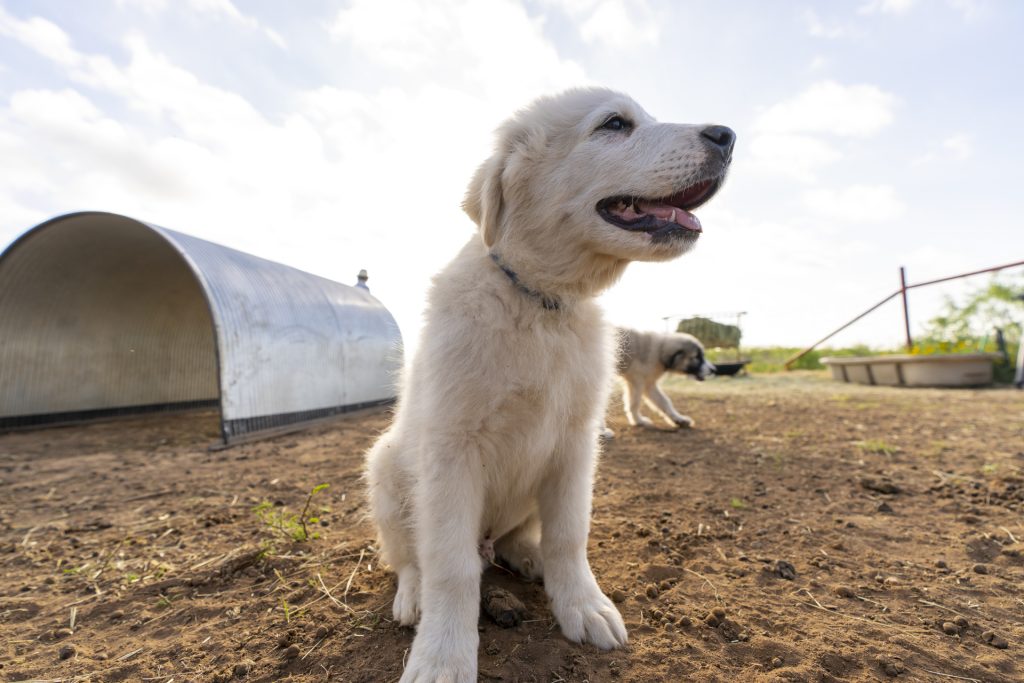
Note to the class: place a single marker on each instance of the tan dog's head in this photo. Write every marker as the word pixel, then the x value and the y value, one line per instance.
pixel 684 353
pixel 582 183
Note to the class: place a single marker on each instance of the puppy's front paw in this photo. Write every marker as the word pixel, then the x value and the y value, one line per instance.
pixel 642 421
pixel 591 618
pixel 437 662
pixel 406 608
pixel 683 421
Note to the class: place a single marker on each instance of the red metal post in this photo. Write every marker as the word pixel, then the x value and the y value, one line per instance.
pixel 906 310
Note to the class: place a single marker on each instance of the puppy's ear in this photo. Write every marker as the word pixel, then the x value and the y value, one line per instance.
pixel 483 201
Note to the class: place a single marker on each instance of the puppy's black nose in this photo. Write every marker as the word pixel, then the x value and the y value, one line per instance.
pixel 721 138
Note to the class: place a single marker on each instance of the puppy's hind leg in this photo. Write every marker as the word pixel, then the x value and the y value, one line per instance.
pixel 389 506
pixel 632 398
pixel 520 549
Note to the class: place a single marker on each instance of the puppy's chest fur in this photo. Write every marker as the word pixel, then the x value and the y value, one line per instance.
pixel 530 378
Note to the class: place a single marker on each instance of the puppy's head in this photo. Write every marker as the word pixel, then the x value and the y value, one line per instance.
pixel 583 182
pixel 688 357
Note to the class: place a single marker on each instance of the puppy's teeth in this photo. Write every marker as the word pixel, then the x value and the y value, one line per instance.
pixel 673 218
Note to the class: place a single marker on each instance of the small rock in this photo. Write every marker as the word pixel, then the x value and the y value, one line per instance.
pixel 941 564
pixel 980 568
pixel 67 652
pixel 844 592
pixel 652 591
pixel 504 608
pixel 685 622
pixel 242 669
pixel 891 667
pixel 117 614
pixel 776 662
pixel 995 640
pixel 950 629
pixel 618 596
pixel 714 617
pixel 961 622
pixel 785 569
pixel 880 485
pixel 284 640
pixel 322 632
pixel 884 507
pixel 291 652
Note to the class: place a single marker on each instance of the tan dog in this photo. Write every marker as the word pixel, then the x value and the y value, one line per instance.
pixel 495 433
pixel 644 357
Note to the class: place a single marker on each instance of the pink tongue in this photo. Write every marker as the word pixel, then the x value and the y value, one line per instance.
pixel 667 212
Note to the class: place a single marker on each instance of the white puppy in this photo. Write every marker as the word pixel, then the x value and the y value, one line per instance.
pixel 643 358
pixel 494 438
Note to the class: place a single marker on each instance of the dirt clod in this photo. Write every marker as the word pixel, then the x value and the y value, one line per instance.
pixel 890 666
pixel 995 640
pixel 880 485
pixel 714 617
pixel 504 608
pixel 291 652
pixel 844 592
pixel 980 568
pixel 618 596
pixel 950 629
pixel 67 652
pixel 786 570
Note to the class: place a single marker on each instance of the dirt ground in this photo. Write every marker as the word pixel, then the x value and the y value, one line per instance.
pixel 803 531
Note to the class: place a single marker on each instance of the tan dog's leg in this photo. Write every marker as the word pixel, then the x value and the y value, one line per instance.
pixel 632 398
pixel 582 610
pixel 449 504
pixel 660 402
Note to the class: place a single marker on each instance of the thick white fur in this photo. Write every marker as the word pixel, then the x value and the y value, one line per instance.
pixel 494 439
pixel 643 358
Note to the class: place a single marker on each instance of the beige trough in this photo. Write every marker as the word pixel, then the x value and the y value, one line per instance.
pixel 946 370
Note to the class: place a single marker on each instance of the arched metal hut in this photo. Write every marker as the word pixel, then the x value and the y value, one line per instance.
pixel 104 315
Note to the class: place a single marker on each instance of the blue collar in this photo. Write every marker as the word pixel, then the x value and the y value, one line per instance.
pixel 549 303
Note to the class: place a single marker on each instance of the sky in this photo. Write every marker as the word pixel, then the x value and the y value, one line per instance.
pixel 335 136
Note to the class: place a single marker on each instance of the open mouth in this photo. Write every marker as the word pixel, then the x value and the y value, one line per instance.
pixel 659 216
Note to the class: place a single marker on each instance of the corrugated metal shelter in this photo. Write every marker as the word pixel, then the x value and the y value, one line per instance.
pixel 104 315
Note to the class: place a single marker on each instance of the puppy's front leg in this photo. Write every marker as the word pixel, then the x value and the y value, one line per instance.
pixel 449 501
pixel 663 405
pixel 582 610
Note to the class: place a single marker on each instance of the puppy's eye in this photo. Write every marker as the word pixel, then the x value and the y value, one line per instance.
pixel 616 123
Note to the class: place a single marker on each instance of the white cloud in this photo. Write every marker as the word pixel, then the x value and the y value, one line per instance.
pixel 619 24
pixel 828 107
pixel 794 156
pixel 960 146
pixel 820 29
pixel 40 35
pixel 492 47
pixel 886 6
pixel 956 147
pixel 970 9
pixel 861 204
pixel 224 9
